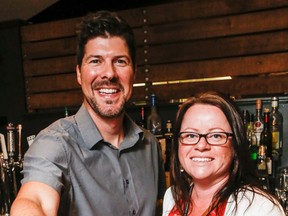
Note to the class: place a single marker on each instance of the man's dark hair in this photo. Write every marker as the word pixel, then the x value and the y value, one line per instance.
pixel 104 24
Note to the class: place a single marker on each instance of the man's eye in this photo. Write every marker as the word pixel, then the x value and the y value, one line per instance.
pixel 94 61
pixel 121 62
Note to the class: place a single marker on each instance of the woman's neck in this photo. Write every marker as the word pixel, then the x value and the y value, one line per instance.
pixel 202 196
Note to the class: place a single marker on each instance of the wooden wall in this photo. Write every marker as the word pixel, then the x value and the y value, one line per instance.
pixel 190 40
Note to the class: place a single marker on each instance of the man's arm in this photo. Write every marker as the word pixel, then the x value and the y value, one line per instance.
pixel 36 199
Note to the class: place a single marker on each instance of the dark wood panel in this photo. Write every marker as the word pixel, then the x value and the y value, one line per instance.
pixel 157 14
pixel 252 65
pixel 247 40
pixel 49 30
pixel 162 14
pixel 67 27
pixel 239 66
pixel 46 84
pixel 51 66
pixel 48 49
pixel 209 8
pixel 238 87
pixel 54 100
pixel 249 44
pixel 205 49
pixel 214 27
pixel 215 48
pixel 135 17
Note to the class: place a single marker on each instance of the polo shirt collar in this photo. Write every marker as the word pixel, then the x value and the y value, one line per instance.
pixel 87 127
pixel 92 136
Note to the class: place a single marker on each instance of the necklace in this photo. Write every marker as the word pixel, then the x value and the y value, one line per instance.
pixel 187 205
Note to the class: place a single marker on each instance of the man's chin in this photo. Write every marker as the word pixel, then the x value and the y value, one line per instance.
pixel 111 113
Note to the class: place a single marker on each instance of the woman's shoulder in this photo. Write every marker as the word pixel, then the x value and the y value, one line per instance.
pixel 168 201
pixel 252 201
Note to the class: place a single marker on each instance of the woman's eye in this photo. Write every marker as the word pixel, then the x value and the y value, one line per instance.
pixel 217 136
pixel 191 136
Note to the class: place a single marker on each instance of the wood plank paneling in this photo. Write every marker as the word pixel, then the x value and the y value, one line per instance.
pixel 55 83
pixel 215 48
pixel 51 48
pixel 187 40
pixel 247 86
pixel 240 66
pixel 239 24
pixel 38 102
pixel 194 9
pixel 50 66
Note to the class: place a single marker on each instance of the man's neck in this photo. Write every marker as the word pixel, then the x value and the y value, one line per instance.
pixel 111 129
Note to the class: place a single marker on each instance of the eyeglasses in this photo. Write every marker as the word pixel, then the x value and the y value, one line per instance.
pixel 213 138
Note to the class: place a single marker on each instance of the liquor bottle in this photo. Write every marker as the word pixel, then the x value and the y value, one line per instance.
pixel 246 117
pixel 169 140
pixel 168 135
pixel 266 140
pixel 142 121
pixel 258 123
pixel 66 112
pixel 262 167
pixel 154 123
pixel 252 140
pixel 276 127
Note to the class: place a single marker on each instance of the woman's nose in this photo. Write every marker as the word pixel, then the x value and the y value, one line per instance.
pixel 202 144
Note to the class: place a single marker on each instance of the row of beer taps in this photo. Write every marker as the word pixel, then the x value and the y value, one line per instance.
pixel 11 163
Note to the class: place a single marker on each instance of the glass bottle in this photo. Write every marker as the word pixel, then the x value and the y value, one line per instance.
pixel 168 135
pixel 169 140
pixel 66 112
pixel 262 167
pixel 276 127
pixel 266 140
pixel 154 124
pixel 142 121
pixel 246 117
pixel 252 139
pixel 258 123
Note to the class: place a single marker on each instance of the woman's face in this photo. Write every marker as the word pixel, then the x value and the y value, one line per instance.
pixel 203 162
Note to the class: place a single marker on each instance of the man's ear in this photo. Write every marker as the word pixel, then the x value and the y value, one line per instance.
pixel 78 72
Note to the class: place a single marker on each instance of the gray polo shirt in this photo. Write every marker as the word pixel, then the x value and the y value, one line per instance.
pixel 92 176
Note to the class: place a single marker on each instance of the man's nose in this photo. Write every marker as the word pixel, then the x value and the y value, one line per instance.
pixel 108 71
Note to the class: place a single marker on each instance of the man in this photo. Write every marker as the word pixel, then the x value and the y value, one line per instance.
pixel 98 162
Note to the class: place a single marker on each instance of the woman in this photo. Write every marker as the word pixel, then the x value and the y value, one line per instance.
pixel 211 171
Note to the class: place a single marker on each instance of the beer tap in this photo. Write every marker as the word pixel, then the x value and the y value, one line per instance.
pixel 4 179
pixel 10 167
pixel 3 147
pixel 11 143
pixel 11 171
pixel 20 159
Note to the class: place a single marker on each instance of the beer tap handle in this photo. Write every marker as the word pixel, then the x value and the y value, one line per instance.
pixel 19 130
pixel 3 146
pixel 11 141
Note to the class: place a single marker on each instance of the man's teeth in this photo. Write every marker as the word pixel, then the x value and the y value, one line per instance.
pixel 107 91
pixel 201 159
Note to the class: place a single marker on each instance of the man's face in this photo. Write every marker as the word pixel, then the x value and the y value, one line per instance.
pixel 106 75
